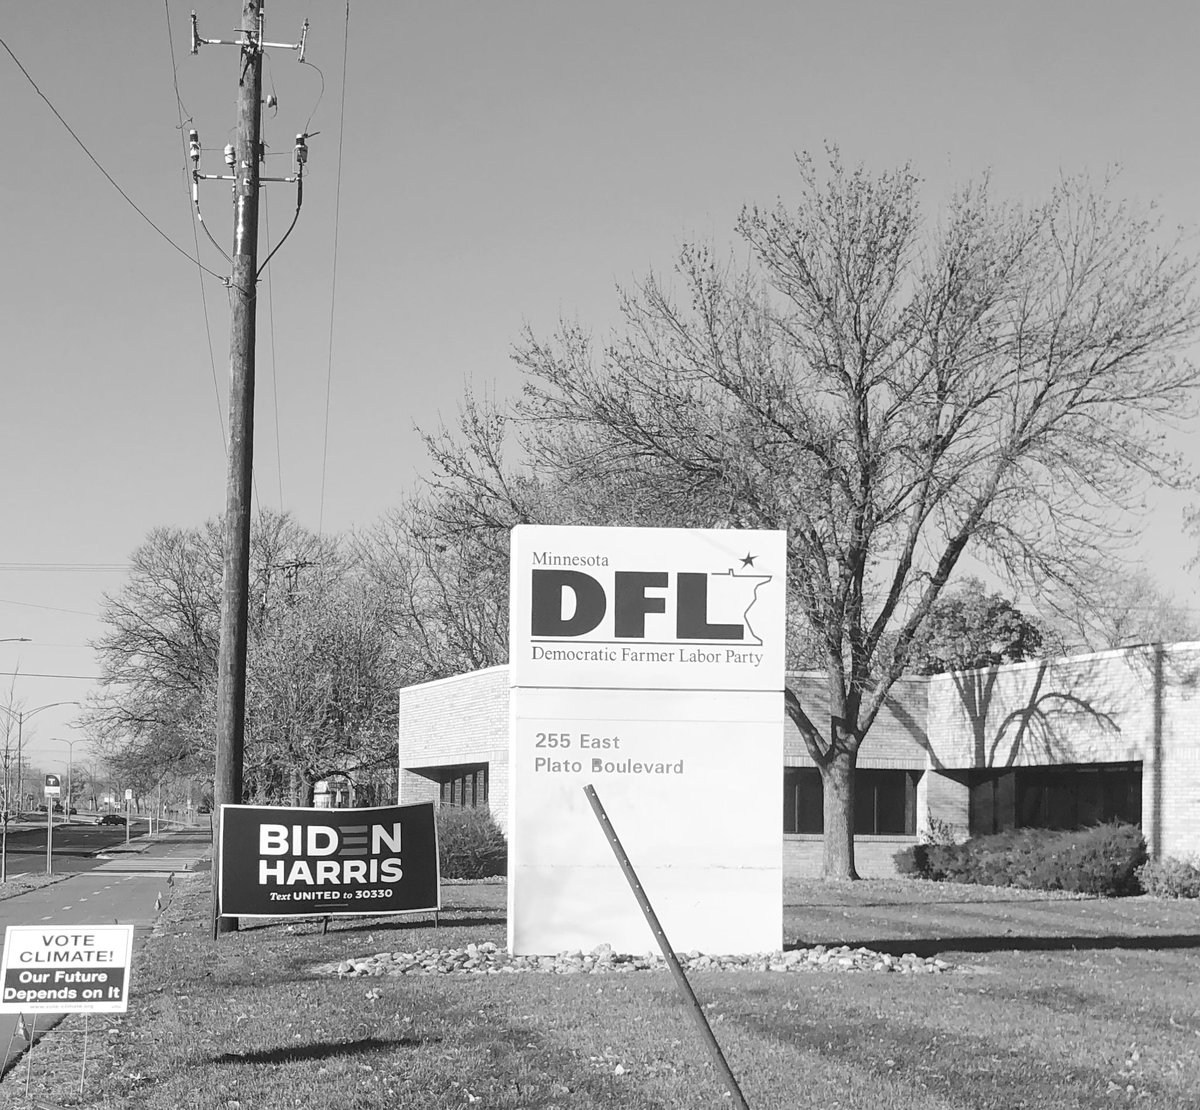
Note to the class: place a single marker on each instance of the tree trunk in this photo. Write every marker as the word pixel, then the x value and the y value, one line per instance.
pixel 837 776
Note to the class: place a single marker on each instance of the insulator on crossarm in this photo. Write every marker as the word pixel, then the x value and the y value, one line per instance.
pixel 230 154
pixel 301 152
pixel 194 148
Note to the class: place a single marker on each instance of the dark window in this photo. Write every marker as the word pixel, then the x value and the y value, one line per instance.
pixel 885 802
pixel 802 800
pixel 1064 797
pixel 465 786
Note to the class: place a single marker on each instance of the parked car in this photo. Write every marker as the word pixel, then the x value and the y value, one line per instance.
pixel 112 819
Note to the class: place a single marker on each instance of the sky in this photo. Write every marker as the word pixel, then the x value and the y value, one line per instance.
pixel 473 168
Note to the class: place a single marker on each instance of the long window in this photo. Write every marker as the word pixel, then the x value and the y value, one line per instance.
pixel 465 785
pixel 1063 797
pixel 885 802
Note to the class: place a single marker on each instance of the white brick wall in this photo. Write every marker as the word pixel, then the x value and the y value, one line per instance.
pixel 897 739
pixel 1138 703
pixel 1116 706
pixel 456 720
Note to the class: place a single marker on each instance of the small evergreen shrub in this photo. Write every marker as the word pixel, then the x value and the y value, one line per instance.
pixel 912 860
pixel 1099 860
pixel 1103 859
pixel 470 844
pixel 1171 877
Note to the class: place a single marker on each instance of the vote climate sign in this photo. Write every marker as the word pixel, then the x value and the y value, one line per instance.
pixel 66 969
pixel 648 663
pixel 284 860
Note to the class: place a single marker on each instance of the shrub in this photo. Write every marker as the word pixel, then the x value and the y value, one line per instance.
pixel 1171 877
pixel 939 832
pixel 1103 859
pixel 912 860
pixel 1100 860
pixel 470 844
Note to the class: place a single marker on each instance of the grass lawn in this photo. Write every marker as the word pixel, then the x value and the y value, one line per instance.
pixel 1051 1003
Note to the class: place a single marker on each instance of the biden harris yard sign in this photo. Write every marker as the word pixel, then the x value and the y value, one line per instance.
pixel 648 663
pixel 284 860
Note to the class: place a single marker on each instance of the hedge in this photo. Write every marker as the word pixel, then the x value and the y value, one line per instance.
pixel 470 844
pixel 1102 859
pixel 1171 877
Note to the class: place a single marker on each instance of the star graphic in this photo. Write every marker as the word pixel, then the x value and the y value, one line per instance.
pixel 748 559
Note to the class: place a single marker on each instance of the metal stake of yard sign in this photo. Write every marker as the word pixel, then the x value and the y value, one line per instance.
pixel 32 1035
pixel 681 980
pixel 29 1054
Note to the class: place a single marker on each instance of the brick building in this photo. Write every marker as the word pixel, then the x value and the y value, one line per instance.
pixel 1054 743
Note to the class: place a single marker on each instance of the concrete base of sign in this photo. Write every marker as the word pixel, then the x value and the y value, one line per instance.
pixel 725 917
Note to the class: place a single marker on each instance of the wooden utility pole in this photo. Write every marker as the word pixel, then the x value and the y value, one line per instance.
pixel 244 158
pixel 231 673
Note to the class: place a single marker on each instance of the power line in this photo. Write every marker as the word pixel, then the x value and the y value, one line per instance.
pixel 79 142
pixel 274 365
pixel 182 111
pixel 50 608
pixel 337 209
pixel 65 566
pixel 32 674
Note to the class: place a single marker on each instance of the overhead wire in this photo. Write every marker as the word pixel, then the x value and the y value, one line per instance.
pixel 274 367
pixel 34 674
pixel 337 209
pixel 108 177
pixel 182 111
pixel 48 608
pixel 64 566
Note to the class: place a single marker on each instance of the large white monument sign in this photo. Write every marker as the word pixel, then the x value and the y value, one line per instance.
pixel 647 662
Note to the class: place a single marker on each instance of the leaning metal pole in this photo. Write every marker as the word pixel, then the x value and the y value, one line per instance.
pixel 681 980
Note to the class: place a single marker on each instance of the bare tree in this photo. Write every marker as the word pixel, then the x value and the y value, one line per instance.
pixel 441 559
pixel 1122 606
pixel 894 394
pixel 322 665
pixel 323 687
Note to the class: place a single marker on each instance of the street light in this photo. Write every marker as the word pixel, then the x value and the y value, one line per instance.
pixel 70 765
pixel 20 716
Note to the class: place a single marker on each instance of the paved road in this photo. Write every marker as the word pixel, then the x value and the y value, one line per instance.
pixel 74 846
pixel 121 888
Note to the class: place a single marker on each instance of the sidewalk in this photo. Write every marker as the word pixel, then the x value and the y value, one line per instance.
pixel 172 850
pixel 128 889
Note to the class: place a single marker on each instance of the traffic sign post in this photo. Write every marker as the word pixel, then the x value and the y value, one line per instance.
pixel 52 788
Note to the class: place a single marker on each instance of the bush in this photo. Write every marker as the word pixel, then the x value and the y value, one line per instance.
pixel 470 844
pixel 1171 877
pixel 913 860
pixel 1103 859
pixel 1100 860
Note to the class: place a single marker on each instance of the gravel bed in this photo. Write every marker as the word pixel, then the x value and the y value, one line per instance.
pixel 490 959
